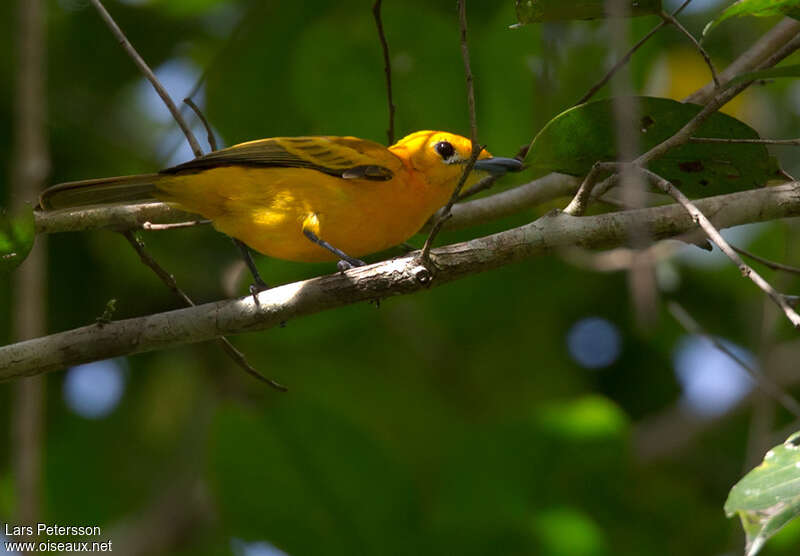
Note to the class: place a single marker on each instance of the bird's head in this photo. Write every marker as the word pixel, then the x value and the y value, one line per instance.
pixel 441 156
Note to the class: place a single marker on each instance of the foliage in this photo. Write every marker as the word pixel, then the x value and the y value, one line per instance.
pixel 574 140
pixel 758 8
pixel 16 238
pixel 768 497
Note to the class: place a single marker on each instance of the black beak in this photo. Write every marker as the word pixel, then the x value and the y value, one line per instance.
pixel 498 165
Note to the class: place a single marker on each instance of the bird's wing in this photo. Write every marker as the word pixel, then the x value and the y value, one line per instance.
pixel 344 157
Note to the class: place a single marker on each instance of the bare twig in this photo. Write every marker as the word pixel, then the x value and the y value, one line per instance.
pixel 483 185
pixel 670 432
pixel 403 275
pixel 751 58
pixel 621 258
pixel 719 100
pixel 767 385
pixel 766 262
pixel 677 24
pixel 387 68
pixel 444 214
pixel 30 167
pixel 789 142
pixel 212 141
pixel 624 60
pixel 580 202
pixel 165 277
pixel 714 235
pixel 170 282
pixel 149 226
pixel 148 73
pixel 118 218
pixel 683 135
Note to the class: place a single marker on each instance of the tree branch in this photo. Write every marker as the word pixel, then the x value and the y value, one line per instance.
pixel 148 73
pixel 764 382
pixel 444 214
pixel 624 59
pixel 400 276
pixel 387 68
pixel 750 59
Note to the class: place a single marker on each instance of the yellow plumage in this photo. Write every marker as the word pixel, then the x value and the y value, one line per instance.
pixel 354 194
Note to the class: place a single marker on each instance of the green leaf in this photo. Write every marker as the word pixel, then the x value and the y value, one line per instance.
pixel 574 140
pixel 768 497
pixel 537 11
pixel 758 8
pixel 16 238
pixel 791 70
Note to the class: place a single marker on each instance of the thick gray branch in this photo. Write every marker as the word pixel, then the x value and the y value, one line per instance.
pixel 396 277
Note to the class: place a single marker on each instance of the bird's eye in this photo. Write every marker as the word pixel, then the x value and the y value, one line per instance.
pixel 445 149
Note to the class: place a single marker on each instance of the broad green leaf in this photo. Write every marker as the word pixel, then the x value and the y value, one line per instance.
pixel 768 497
pixel 574 140
pixel 16 238
pixel 791 70
pixel 758 8
pixel 537 11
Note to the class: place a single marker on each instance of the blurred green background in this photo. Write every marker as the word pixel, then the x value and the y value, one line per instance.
pixel 521 411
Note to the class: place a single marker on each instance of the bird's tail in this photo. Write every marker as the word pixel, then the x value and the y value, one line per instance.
pixel 104 191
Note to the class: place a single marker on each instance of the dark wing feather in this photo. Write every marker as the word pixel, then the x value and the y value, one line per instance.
pixel 344 157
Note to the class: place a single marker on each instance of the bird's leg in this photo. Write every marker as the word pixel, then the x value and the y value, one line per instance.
pixel 346 262
pixel 311 229
pixel 259 285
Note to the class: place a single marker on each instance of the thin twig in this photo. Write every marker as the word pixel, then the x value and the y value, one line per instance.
pixel 150 227
pixel 387 68
pixel 445 213
pixel 750 141
pixel 212 141
pixel 684 134
pixel 720 99
pixel 766 262
pixel 714 235
pixel 677 24
pixel 169 280
pixel 482 185
pixel 749 60
pixel 165 277
pixel 579 203
pixel 624 60
pixel 148 73
pixel 767 385
pixel 621 258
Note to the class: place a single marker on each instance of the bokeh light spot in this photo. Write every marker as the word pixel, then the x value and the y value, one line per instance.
pixel 712 382
pixel 94 390
pixel 3 541
pixel 255 548
pixel 594 342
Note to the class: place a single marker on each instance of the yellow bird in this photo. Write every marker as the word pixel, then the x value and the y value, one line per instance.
pixel 304 198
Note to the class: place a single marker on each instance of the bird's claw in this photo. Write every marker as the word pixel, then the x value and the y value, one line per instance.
pixel 343 265
pixel 256 288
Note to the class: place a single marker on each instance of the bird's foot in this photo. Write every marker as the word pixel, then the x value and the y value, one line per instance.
pixel 347 264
